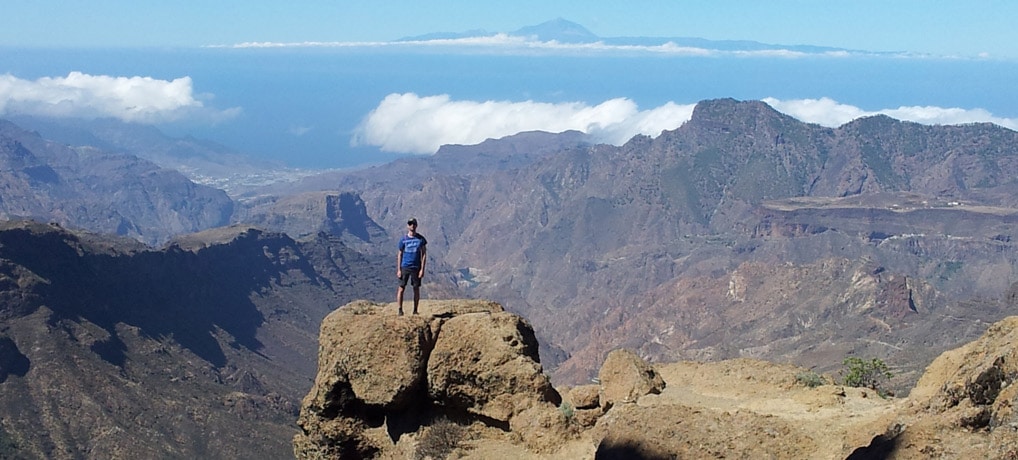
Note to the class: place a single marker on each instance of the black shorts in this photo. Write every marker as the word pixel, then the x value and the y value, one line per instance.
pixel 410 274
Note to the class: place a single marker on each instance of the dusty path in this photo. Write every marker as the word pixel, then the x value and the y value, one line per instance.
pixel 837 419
pixel 828 422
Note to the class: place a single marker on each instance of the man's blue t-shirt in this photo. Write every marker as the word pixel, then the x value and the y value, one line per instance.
pixel 412 246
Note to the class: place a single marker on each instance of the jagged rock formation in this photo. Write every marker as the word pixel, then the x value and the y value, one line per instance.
pixel 374 398
pixel 340 214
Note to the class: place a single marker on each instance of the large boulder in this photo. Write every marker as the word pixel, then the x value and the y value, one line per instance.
pixel 381 376
pixel 487 363
pixel 381 357
pixel 625 377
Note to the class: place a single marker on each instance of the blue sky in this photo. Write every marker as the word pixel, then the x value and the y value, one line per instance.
pixel 964 28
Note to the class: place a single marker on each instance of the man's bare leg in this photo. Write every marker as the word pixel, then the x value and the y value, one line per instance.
pixel 399 300
pixel 417 297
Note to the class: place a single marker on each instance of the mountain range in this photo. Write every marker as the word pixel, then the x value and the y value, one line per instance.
pixel 743 233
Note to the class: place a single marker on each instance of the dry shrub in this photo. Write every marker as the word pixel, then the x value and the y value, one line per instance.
pixel 439 440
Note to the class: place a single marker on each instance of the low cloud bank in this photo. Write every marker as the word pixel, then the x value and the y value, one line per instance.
pixel 503 43
pixel 408 123
pixel 80 95
pixel 831 113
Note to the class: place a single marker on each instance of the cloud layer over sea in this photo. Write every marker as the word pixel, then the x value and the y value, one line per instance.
pixel 132 99
pixel 337 107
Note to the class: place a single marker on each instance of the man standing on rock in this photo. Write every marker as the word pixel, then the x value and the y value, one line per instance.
pixel 410 261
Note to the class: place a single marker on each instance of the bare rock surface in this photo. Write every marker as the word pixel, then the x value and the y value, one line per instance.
pixel 585 397
pixel 625 377
pixel 740 408
pixel 487 363
pixel 963 406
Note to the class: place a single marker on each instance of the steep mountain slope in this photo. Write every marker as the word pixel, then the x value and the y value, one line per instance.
pixel 742 233
pixel 91 189
pixel 110 349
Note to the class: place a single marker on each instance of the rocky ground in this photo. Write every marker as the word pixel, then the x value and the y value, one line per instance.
pixel 743 408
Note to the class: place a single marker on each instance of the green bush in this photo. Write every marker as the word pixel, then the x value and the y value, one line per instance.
pixel 862 373
pixel 810 379
pixel 567 410
pixel 439 440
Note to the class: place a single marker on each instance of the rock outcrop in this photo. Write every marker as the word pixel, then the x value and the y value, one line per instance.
pixel 964 405
pixel 382 376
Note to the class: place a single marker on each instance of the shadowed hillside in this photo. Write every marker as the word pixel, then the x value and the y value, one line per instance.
pixel 110 349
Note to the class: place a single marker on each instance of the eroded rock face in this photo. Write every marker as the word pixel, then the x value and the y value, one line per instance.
pixel 381 376
pixel 978 375
pixel 972 390
pixel 381 357
pixel 487 363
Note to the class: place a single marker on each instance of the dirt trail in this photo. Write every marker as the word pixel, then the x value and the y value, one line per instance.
pixel 838 419
pixel 832 420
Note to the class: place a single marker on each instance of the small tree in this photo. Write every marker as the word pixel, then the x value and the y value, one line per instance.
pixel 862 373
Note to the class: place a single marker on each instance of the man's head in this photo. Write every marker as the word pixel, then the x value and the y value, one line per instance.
pixel 412 224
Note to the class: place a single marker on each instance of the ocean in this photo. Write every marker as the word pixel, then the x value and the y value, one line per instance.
pixel 301 106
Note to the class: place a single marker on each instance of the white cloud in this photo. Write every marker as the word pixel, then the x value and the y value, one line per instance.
pixel 409 123
pixel 299 131
pixel 510 44
pixel 80 95
pixel 830 113
pixel 823 111
pixel 514 44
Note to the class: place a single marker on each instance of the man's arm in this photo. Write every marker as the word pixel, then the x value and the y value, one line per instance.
pixel 424 260
pixel 399 264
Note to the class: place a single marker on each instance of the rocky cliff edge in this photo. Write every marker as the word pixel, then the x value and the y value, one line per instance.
pixel 463 380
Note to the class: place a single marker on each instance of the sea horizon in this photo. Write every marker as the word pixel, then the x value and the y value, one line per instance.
pixel 303 106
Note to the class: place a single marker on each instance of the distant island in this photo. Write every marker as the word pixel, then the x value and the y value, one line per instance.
pixel 563 31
